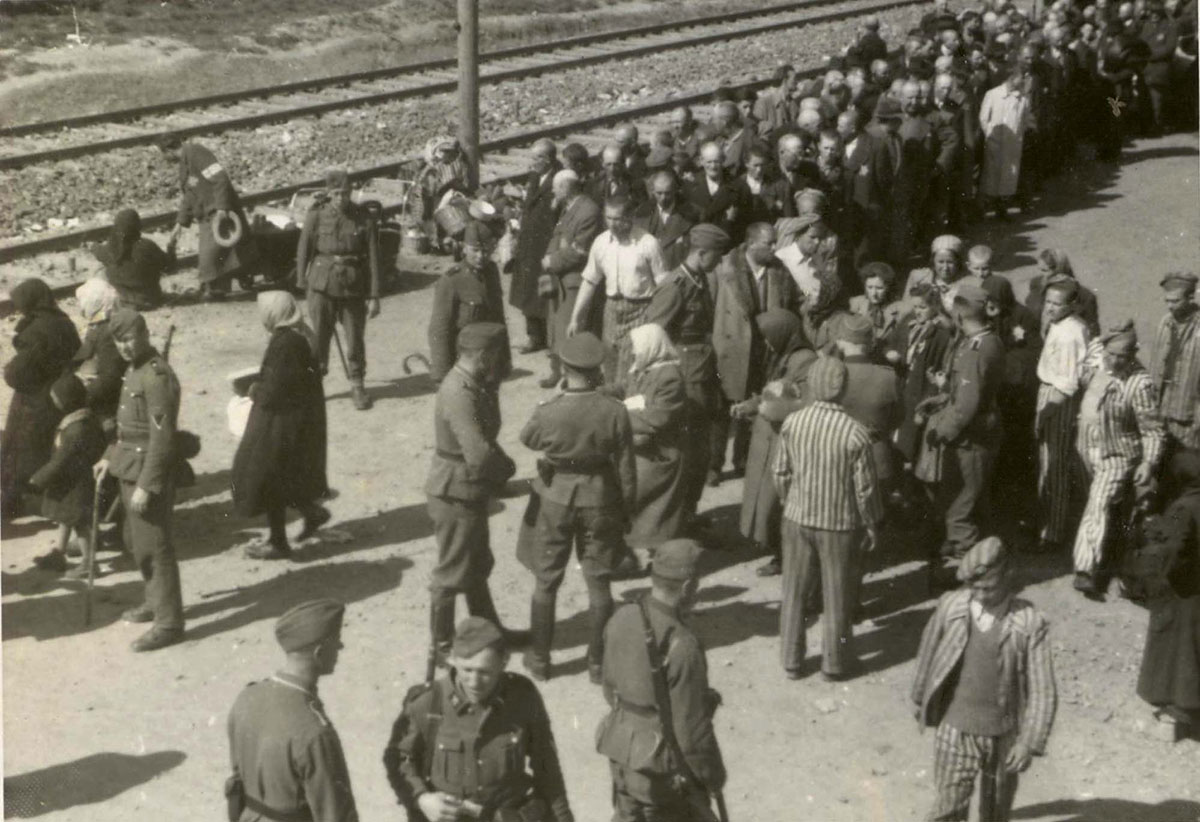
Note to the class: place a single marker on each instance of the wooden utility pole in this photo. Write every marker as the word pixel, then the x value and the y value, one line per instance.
pixel 468 87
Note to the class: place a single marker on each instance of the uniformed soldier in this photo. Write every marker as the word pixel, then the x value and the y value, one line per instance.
pixel 967 425
pixel 287 758
pixel 648 783
pixel 469 467
pixel 584 495
pixel 142 459
pixel 337 259
pixel 468 293
pixel 683 305
pixel 477 743
pixel 207 192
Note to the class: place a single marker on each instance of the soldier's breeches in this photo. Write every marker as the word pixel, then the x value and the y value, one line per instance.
pixel 958 759
pixel 148 537
pixel 549 531
pixel 834 558
pixel 962 494
pixel 639 797
pixel 464 550
pixel 325 312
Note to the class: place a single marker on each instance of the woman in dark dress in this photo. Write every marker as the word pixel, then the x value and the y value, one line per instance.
pixel 133 264
pixel 45 341
pixel 97 362
pixel 280 462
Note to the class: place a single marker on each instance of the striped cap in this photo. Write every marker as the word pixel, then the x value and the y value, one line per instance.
pixel 827 378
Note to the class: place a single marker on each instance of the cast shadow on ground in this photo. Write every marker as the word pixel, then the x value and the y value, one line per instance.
pixel 87 781
pixel 1110 810
pixel 412 385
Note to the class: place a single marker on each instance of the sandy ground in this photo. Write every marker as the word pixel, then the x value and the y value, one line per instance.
pixel 94 732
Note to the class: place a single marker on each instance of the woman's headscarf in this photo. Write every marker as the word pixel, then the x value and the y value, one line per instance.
pixel 97 299
pixel 434 146
pixel 1058 262
pixel 947 242
pixel 32 296
pixel 279 309
pixel 126 231
pixel 650 345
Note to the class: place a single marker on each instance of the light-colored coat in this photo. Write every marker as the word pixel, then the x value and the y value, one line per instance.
pixel 1004 117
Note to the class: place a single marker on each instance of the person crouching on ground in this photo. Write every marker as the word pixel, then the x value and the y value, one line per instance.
pixel 986 682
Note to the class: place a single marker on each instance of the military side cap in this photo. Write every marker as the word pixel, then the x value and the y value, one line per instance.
pixel 478 336
pixel 125 321
pixel 1179 281
pixel 477 234
pixel 855 328
pixel 888 109
pixel 337 180
pixel 677 559
pixel 582 351
pixel 709 236
pixel 827 378
pixel 309 623
pixel 985 556
pixel 971 294
pixel 473 635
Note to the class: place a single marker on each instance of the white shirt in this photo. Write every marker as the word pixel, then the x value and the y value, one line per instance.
pixel 755 186
pixel 849 150
pixel 630 269
pixel 1063 354
pixel 803 272
pixel 713 185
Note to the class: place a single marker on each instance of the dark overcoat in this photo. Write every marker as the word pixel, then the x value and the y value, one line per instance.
pixel 657 428
pixel 281 458
pixel 538 216
pixel 66 479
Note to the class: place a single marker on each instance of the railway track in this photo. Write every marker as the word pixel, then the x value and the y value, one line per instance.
pixel 81 136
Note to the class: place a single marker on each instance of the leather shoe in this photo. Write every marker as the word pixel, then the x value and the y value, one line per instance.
pixel 313 520
pixel 268 550
pixel 836 677
pixel 138 614
pixel 360 398
pixel 793 673
pixel 713 479
pixel 157 638
pixel 551 381
pixel 772 568
pixel 531 347
pixel 1085 584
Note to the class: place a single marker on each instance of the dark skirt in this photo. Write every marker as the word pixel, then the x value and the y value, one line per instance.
pixel 1170 674
pixel 661 496
pixel 28 442
pixel 280 461
pixel 761 507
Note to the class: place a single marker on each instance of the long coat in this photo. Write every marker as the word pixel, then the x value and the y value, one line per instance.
pixel 1170 674
pixel 574 232
pixel 661 496
pixel 45 342
pixel 538 216
pixel 66 479
pixel 1005 117
pixel 281 458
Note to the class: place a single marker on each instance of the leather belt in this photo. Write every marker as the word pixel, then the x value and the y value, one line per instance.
pixel 623 299
pixel 592 465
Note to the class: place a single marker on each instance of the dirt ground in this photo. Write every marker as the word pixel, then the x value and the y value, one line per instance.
pixel 94 732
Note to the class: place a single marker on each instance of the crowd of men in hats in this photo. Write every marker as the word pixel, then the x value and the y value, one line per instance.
pixel 752 279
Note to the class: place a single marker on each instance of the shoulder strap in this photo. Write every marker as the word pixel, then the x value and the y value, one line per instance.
pixel 433 719
pixel 662 696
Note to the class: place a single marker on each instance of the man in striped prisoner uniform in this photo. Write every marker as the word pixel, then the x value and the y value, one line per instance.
pixel 825 475
pixel 1121 441
pixel 1058 371
pixel 985 680
pixel 1175 361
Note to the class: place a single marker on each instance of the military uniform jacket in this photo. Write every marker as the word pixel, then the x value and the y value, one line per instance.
pixel 204 184
pixel 146 420
pixel 468 463
pixel 588 439
pixel 287 753
pixel 338 252
pixel 461 297
pixel 629 689
pixel 491 754
pixel 973 380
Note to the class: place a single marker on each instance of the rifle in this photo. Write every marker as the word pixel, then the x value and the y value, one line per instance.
pixel 166 349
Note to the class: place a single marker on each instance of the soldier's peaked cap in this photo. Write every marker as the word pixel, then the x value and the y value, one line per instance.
pixel 478 336
pixel 582 351
pixel 125 321
pixel 309 623
pixel 677 559
pixel 473 635
pixel 971 294
pixel 1179 281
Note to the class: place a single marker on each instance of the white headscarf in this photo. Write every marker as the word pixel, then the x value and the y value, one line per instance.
pixel 650 346
pixel 97 299
pixel 279 308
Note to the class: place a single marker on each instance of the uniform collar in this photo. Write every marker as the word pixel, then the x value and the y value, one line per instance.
pixel 150 354
pixel 461 705
pixel 288 681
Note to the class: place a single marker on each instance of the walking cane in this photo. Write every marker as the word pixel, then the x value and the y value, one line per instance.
pixel 90 557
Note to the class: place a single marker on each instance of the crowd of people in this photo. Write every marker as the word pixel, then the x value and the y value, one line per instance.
pixel 786 287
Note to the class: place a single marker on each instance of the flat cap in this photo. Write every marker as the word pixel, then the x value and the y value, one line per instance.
pixel 971 294
pixel 309 623
pixel 659 157
pixel 1120 339
pixel 475 634
pixel 478 336
pixel 337 179
pixel 478 234
pixel 1179 281
pixel 709 236
pixel 677 559
pixel 582 351
pixel 855 328
pixel 888 109
pixel 984 557
pixel 827 378
pixel 125 321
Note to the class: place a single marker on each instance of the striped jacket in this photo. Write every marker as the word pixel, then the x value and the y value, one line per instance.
pixel 1128 420
pixel 1175 367
pixel 824 472
pixel 1026 690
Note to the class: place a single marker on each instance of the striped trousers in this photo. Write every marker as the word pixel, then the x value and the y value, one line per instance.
pixel 958 758
pixel 837 556
pixel 1110 478
pixel 1054 427
pixel 620 317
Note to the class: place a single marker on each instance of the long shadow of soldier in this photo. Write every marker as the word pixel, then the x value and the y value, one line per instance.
pixel 86 781
pixel 1110 810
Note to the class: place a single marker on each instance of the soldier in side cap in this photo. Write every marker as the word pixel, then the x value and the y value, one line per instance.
pixel 142 459
pixel 287 758
pixel 337 261
pixel 684 306
pixel 469 468
pixel 511 769
pixel 649 782
pixel 985 680
pixel 584 496
pixel 1175 361
pixel 965 422
pixel 468 293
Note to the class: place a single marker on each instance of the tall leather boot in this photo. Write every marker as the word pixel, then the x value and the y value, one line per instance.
pixel 479 603
pixel 441 625
pixel 600 609
pixel 541 629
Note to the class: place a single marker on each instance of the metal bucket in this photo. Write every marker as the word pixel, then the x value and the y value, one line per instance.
pixel 452 216
pixel 414 241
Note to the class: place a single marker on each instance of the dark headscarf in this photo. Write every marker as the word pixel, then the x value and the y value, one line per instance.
pixel 783 332
pixel 69 392
pixel 33 296
pixel 126 231
pixel 1184 469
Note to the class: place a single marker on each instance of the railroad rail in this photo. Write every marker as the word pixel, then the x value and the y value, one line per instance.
pixel 34 143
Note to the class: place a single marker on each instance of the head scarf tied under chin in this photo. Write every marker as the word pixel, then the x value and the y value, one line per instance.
pixel 1058 262
pixel 279 309
pixel 126 231
pixel 650 346
pixel 434 146
pixel 97 299
pixel 32 296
